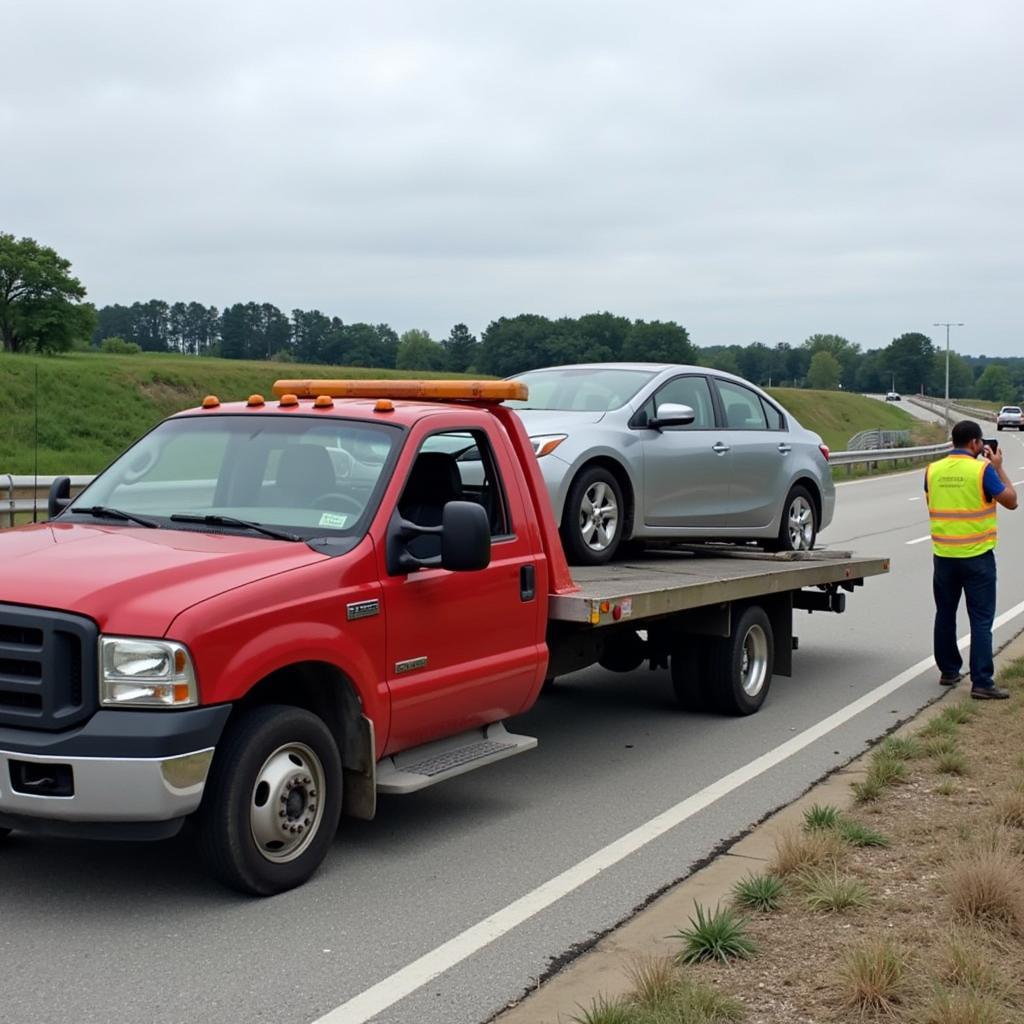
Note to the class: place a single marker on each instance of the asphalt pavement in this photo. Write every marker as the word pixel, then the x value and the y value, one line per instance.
pixel 457 876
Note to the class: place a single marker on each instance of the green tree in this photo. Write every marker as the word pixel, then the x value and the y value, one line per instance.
pixel 996 385
pixel 41 304
pixel 846 352
pixel 908 358
pixel 961 380
pixel 824 371
pixel 460 349
pixel 658 342
pixel 418 351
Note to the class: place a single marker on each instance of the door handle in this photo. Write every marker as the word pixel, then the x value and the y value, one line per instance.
pixel 527 583
pixel 785 449
pixel 719 449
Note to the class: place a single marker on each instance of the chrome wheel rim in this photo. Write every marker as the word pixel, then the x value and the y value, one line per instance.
pixel 286 803
pixel 800 523
pixel 754 661
pixel 599 516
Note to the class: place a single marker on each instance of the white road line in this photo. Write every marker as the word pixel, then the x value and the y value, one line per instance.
pixel 918 498
pixel 415 975
pixel 920 540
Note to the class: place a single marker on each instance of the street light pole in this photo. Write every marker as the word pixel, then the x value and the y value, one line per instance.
pixel 947 325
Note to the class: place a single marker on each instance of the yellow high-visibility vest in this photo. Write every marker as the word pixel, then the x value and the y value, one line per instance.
pixel 963 520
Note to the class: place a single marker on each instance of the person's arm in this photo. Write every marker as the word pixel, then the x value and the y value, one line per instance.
pixel 1007 497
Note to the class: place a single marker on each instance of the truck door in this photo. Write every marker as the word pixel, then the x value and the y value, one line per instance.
pixel 463 648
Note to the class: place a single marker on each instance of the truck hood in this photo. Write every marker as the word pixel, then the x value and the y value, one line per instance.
pixel 134 580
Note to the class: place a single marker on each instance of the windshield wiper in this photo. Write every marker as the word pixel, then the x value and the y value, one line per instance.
pixel 104 512
pixel 212 520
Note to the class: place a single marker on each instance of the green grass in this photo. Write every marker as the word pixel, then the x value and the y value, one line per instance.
pixel 829 892
pixel 821 817
pixel 837 416
pixel 759 892
pixel 92 406
pixel 720 936
pixel 857 834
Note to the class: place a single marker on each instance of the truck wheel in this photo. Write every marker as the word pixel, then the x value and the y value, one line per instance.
pixel 688 677
pixel 798 527
pixel 739 667
pixel 593 518
pixel 273 800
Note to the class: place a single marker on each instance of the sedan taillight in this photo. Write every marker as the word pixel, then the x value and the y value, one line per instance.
pixel 824 450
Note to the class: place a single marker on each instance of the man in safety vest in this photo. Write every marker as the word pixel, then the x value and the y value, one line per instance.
pixel 963 491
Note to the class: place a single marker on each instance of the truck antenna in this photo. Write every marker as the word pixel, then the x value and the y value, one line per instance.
pixel 35 447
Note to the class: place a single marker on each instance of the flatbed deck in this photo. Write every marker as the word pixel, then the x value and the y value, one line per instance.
pixel 663 582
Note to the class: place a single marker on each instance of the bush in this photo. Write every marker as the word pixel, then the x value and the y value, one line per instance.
pixel 119 347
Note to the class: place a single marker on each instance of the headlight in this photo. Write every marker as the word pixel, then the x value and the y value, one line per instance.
pixel 545 444
pixel 146 673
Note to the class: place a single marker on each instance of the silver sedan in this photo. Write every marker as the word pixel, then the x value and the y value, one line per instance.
pixel 646 451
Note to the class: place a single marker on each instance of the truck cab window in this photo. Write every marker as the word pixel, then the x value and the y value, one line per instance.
pixel 455 466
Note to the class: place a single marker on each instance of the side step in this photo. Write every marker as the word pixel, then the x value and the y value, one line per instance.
pixel 434 762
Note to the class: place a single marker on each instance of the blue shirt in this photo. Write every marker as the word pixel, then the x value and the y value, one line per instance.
pixel 990 482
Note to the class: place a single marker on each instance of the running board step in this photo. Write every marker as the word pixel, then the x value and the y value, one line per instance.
pixel 432 763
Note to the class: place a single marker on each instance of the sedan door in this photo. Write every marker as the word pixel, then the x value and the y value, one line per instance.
pixel 760 449
pixel 687 469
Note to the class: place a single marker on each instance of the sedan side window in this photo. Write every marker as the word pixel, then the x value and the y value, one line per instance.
pixel 691 391
pixel 775 420
pixel 743 409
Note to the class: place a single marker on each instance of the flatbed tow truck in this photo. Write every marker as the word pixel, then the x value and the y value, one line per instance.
pixel 263 614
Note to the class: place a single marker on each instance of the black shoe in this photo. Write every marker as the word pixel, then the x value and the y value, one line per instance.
pixel 951 680
pixel 989 693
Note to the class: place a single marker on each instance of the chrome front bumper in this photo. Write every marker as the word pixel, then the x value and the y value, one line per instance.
pixel 110 789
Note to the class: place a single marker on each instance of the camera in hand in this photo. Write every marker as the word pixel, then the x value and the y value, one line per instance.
pixel 992 442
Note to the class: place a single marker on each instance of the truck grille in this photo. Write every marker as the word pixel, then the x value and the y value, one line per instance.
pixel 47 668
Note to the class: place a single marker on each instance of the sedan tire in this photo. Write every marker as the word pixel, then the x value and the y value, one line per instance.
pixel 593 518
pixel 798 527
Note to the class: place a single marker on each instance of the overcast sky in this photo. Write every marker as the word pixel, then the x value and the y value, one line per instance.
pixel 752 170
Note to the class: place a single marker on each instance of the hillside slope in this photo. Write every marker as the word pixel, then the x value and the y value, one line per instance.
pixel 93 406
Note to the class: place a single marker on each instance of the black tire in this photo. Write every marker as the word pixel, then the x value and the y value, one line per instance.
pixel 1000 428
pixel 580 515
pixel 689 684
pixel 293 755
pixel 738 668
pixel 798 525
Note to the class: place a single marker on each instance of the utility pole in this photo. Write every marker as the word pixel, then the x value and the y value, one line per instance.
pixel 947 324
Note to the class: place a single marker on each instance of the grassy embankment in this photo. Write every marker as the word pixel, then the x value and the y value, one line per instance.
pixel 92 406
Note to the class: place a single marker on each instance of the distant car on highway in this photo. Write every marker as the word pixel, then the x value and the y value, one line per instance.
pixel 649 451
pixel 892 396
pixel 1010 416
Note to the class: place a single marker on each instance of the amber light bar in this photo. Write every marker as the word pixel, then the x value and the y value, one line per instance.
pixel 477 390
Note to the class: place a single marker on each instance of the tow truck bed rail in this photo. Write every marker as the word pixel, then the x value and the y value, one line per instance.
pixel 663 582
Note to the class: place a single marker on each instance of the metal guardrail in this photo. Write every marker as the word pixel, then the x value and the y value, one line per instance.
pixel 939 405
pixel 21 494
pixel 877 438
pixel 888 454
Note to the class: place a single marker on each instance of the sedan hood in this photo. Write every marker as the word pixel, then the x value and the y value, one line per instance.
pixel 134 580
pixel 554 421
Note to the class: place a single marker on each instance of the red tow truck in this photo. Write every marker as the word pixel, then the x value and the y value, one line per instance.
pixel 265 613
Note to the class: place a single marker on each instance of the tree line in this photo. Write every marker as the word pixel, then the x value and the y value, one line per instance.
pixel 43 309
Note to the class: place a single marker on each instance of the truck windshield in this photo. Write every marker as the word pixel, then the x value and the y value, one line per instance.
pixel 581 389
pixel 309 475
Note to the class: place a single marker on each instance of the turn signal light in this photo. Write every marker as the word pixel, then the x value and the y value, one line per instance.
pixel 440 390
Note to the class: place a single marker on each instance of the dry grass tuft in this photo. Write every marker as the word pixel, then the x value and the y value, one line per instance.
pixel 654 979
pixel 936 746
pixel 966 960
pixel 952 762
pixel 797 851
pixel 961 1006
pixel 1009 808
pixel 826 891
pixel 985 882
pixel 873 976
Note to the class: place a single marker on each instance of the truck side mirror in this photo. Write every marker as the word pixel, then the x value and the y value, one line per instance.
pixel 465 537
pixel 672 415
pixel 59 497
pixel 463 541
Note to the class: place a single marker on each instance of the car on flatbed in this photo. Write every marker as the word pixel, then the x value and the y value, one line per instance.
pixel 1010 417
pixel 639 452
pixel 265 613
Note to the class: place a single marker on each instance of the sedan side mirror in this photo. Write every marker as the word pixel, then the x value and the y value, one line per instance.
pixel 672 415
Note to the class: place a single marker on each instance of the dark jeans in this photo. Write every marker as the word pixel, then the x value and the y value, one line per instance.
pixel 975 578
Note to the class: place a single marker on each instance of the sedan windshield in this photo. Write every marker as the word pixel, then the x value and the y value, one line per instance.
pixel 581 389
pixel 308 476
